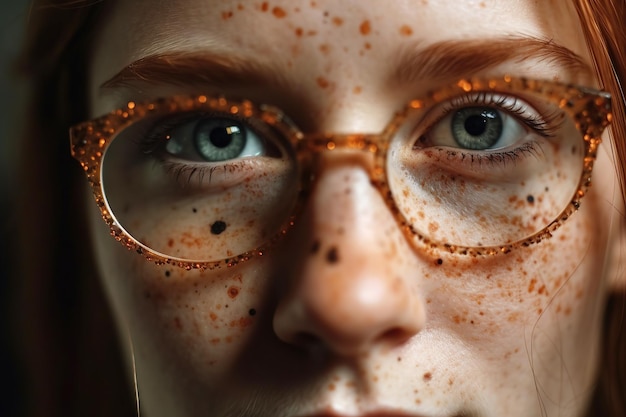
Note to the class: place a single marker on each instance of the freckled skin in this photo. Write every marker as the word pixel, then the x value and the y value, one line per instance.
pixel 345 315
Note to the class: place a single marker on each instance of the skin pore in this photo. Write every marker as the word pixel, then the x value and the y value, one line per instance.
pixel 345 316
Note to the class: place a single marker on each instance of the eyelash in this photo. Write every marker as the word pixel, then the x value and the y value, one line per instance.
pixel 546 126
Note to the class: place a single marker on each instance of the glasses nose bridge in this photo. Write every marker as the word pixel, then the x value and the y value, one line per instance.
pixel 317 145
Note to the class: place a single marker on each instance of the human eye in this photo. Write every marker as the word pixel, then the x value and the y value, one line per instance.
pixel 208 149
pixel 489 127
pixel 206 138
pixel 201 184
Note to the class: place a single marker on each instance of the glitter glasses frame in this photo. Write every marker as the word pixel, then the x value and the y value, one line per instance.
pixel 590 110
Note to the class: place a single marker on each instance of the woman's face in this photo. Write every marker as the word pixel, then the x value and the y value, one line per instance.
pixel 345 316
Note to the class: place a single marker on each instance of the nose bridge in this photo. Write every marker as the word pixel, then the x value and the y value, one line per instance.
pixel 351 284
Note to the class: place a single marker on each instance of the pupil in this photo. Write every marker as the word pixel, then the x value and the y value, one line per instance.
pixel 221 137
pixel 476 125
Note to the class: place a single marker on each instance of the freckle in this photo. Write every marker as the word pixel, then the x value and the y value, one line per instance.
pixel 240 7
pixel 399 359
pixel 243 322
pixel 233 292
pixel 252 312
pixel 215 340
pixel 229 339
pixel 337 21
pixel 451 381
pixel 264 6
pixel 322 82
pixel 315 247
pixel 278 12
pixel 213 316
pixel 170 242
pixel 357 89
pixel 331 387
pixel 325 48
pixel 405 30
pixel 218 227
pixel 482 4
pixel 299 32
pixel 311 33
pixel 531 286
pixel 365 28
pixel 367 45
pixel 227 15
pixel 332 256
pixel 428 376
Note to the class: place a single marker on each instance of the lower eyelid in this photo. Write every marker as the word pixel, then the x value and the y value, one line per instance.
pixel 215 176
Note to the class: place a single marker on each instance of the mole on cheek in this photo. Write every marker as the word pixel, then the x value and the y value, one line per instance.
pixel 315 247
pixel 233 292
pixel 332 256
pixel 218 227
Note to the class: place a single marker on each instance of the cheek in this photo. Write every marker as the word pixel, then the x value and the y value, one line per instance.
pixel 530 315
pixel 185 325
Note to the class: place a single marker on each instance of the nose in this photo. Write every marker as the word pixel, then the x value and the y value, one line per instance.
pixel 352 284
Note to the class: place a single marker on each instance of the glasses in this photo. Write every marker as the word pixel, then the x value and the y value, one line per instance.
pixel 477 168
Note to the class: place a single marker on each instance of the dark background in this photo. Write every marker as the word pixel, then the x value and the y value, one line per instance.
pixel 13 15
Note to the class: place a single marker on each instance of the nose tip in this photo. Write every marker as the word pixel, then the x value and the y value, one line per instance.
pixel 349 313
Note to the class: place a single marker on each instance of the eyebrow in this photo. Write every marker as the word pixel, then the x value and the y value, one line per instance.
pixel 191 68
pixel 459 59
pixel 450 59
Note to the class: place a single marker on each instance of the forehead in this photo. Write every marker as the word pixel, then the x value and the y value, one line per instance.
pixel 318 45
pixel 147 27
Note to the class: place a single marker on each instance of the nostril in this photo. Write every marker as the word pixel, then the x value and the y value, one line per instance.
pixel 395 336
pixel 305 340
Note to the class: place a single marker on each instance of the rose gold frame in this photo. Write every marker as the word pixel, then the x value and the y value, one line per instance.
pixel 590 110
